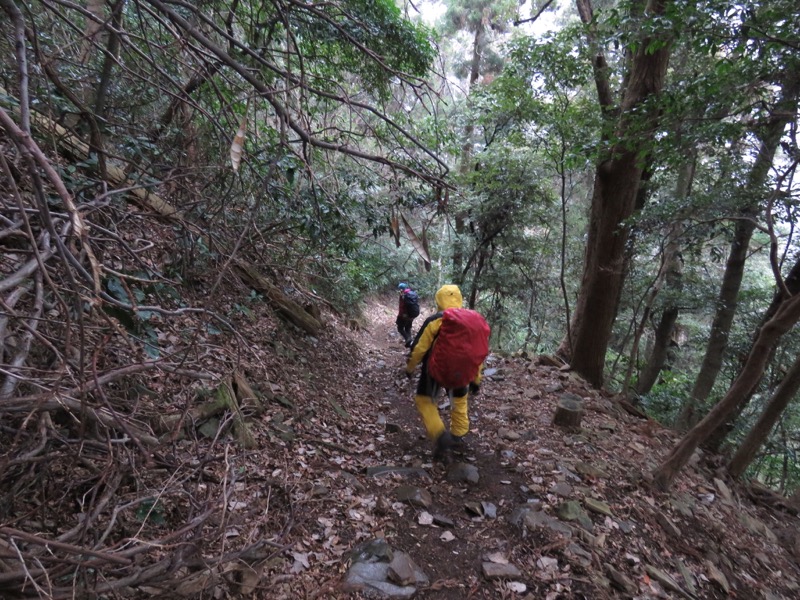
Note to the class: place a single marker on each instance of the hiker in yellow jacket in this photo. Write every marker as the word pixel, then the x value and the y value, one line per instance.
pixel 449 296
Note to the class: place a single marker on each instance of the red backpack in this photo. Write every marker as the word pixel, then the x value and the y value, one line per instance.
pixel 460 348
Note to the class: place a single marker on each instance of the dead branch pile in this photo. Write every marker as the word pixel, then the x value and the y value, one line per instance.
pixel 91 501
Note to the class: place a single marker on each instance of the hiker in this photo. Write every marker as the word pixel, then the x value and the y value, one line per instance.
pixel 454 363
pixel 408 310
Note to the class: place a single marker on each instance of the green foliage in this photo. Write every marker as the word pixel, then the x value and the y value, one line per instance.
pixel 338 42
pixel 243 308
pixel 142 325
pixel 665 400
pixel 777 468
pixel 510 253
pixel 528 119
pixel 372 268
pixel 150 511
pixel 482 20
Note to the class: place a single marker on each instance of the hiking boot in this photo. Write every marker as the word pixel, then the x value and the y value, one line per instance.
pixel 444 444
pixel 459 445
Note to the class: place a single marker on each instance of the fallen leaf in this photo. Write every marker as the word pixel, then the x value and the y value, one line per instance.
pixel 300 562
pixel 418 244
pixel 237 146
pixel 547 563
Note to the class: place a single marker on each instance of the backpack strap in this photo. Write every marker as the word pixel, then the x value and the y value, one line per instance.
pixel 420 333
pixel 430 319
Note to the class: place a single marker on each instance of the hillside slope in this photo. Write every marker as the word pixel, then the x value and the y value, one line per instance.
pixel 339 481
pixel 574 512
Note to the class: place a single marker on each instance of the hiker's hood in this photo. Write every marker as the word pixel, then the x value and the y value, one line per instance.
pixel 448 296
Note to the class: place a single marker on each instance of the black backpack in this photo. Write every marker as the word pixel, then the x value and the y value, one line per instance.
pixel 411 302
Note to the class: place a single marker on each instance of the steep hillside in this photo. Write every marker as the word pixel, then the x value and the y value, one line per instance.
pixel 572 511
pixel 339 481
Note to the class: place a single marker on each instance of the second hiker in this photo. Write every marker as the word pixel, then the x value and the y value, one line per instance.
pixel 451 346
pixel 407 311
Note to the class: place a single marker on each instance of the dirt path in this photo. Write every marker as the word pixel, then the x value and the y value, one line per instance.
pixel 453 565
pixel 598 530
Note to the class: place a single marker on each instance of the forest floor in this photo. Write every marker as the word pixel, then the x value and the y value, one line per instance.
pixel 538 512
pixel 340 482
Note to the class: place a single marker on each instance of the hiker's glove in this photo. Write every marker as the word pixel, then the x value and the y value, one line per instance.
pixel 474 388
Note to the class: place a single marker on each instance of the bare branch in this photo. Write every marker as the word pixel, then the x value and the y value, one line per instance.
pixel 35 539
pixel 22 61
pixel 272 94
pixel 538 14
pixel 599 63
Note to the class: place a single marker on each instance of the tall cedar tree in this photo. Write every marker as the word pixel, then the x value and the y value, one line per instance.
pixel 618 177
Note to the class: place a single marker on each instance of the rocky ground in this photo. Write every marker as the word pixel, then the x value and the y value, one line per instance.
pixel 528 510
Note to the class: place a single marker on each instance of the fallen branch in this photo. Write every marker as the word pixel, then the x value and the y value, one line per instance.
pixel 287 307
pixel 234 395
pixel 117 176
pixel 69 548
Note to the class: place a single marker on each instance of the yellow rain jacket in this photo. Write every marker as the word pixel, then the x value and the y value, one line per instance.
pixel 448 296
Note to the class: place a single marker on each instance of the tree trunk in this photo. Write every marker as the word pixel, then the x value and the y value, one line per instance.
pixel 287 307
pixel 718 436
pixel 110 58
pixel 674 280
pixel 569 412
pixel 723 318
pixel 782 114
pixel 93 28
pixel 772 413
pixel 658 355
pixel 204 73
pixel 473 293
pixel 616 185
pixel 466 155
pixel 747 380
